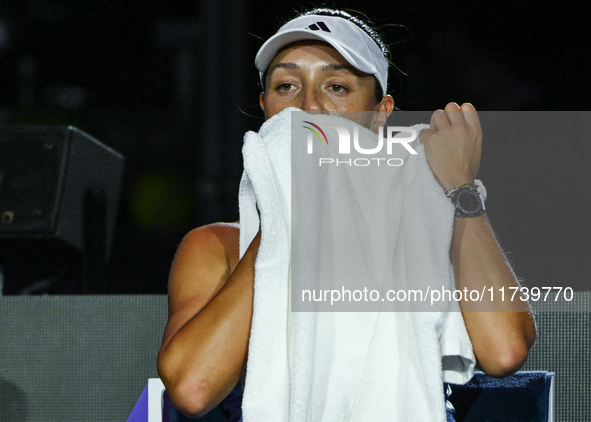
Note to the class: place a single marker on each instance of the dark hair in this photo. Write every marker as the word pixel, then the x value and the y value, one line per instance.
pixel 367 28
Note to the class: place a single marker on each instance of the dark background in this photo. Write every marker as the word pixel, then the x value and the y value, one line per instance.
pixel 172 86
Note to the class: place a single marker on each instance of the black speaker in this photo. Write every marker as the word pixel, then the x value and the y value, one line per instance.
pixel 59 192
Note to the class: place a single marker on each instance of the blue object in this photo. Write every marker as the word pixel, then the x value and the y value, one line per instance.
pixel 140 410
pixel 230 410
pixel 524 397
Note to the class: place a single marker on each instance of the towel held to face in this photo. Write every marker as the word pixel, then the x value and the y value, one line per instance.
pixel 328 226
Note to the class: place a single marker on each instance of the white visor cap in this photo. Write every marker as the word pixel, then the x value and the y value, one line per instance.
pixel 358 48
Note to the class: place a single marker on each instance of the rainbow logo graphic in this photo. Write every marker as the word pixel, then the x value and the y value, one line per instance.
pixel 315 132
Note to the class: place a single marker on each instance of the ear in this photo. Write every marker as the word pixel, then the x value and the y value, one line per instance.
pixel 384 108
pixel 262 100
pixel 387 104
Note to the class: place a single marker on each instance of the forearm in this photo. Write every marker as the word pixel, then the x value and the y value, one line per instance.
pixel 202 362
pixel 502 332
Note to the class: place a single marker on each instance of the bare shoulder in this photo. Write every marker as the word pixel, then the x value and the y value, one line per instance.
pixel 202 264
pixel 218 241
pixel 205 255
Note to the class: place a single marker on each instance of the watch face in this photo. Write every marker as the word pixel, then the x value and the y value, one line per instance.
pixel 468 201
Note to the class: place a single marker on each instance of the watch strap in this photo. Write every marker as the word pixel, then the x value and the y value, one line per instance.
pixel 474 193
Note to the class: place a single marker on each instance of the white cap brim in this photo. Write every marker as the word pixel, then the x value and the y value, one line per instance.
pixel 356 47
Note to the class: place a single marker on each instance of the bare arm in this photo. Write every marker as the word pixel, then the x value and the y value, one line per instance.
pixel 205 342
pixel 501 340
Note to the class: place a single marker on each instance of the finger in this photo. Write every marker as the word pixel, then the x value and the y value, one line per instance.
pixel 452 106
pixel 439 120
pixel 424 134
pixel 471 115
pixel 454 114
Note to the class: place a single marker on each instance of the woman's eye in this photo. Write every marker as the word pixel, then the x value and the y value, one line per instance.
pixel 285 87
pixel 337 88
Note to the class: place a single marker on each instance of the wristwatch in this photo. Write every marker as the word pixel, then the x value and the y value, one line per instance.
pixel 468 202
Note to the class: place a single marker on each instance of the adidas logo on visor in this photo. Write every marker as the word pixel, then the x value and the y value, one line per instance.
pixel 319 26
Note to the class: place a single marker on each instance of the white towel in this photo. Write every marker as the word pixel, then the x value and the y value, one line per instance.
pixel 379 366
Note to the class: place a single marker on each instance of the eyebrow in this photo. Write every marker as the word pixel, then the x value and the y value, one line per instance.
pixel 338 66
pixel 326 68
pixel 289 66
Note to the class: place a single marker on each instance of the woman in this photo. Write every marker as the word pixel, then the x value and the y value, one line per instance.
pixel 205 344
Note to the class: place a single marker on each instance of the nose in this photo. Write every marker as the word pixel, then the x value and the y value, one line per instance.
pixel 311 100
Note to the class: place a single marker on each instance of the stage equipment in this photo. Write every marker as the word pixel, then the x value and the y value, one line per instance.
pixel 59 192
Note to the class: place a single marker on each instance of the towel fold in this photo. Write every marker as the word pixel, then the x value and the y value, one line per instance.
pixel 346 366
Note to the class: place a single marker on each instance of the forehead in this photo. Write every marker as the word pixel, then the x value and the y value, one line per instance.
pixel 310 53
pixel 307 45
pixel 311 50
